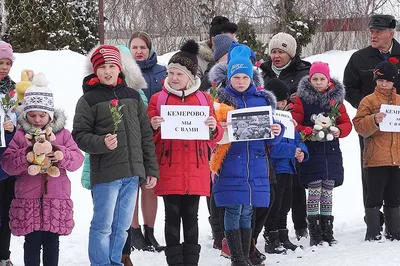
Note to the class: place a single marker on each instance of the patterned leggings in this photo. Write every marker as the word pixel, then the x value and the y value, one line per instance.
pixel 320 197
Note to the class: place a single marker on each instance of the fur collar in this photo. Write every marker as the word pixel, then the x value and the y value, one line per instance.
pixel 205 52
pixel 58 123
pixel 132 73
pixel 310 96
pixel 219 74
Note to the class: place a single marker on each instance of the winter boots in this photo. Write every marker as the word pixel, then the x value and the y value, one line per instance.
pixel 392 222
pixel 284 239
pixel 372 218
pixel 327 229
pixel 272 243
pixel 174 255
pixel 126 260
pixel 217 232
pixel 139 242
pixel 301 233
pixel 225 249
pixel 191 254
pixel 234 241
pixel 315 230
pixel 149 237
pixel 256 257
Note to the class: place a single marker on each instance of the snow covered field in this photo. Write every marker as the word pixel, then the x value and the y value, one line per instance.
pixel 64 71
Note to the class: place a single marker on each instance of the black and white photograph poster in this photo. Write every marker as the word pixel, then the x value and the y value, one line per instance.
pixel 250 124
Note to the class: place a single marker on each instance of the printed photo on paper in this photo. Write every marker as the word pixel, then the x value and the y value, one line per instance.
pixel 250 124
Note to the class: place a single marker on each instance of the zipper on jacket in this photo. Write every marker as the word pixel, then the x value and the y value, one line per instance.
pixel 248 158
pixel 170 153
pixel 197 154
pixel 162 153
pixel 326 162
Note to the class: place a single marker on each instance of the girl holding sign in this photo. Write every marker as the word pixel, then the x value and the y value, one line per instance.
pixel 184 167
pixel 381 155
pixel 241 180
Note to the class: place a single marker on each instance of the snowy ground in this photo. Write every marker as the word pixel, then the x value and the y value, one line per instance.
pixel 64 71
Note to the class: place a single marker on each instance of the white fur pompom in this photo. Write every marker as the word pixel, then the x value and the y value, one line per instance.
pixel 40 80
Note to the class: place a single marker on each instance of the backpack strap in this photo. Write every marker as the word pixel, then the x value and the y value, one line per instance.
pixel 161 100
pixel 163 96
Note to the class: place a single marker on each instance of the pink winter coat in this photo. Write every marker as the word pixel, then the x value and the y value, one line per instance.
pixel 32 209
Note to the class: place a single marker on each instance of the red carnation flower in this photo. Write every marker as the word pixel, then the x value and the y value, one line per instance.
pixel 260 88
pixel 332 102
pixel 258 64
pixel 114 102
pixel 12 93
pixel 308 130
pixel 393 60
pixel 214 84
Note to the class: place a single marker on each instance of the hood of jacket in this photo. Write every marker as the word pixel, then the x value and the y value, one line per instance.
pixel 205 52
pixel 309 95
pixel 132 74
pixel 148 63
pixel 58 123
pixel 219 74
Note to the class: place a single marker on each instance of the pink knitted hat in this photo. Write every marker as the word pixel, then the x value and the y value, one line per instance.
pixel 6 51
pixel 320 67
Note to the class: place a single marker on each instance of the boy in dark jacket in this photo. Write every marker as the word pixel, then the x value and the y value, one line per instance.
pixel 284 156
pixel 121 151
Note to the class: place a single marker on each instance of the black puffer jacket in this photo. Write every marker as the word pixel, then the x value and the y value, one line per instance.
pixel 358 74
pixel 291 75
pixel 135 154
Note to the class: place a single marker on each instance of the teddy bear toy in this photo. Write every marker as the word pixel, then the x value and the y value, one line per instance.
pixel 40 141
pixel 323 126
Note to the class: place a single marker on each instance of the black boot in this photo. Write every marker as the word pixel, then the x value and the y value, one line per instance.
pixel 174 255
pixel 314 229
pixel 303 232
pixel 149 237
pixel 284 239
pixel 256 257
pixel 327 229
pixel 246 243
pixel 372 218
pixel 217 232
pixel 191 254
pixel 273 245
pixel 392 222
pixel 139 242
pixel 234 241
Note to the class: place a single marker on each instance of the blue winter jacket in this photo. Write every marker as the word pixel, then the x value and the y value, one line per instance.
pixel 153 73
pixel 243 177
pixel 8 137
pixel 282 154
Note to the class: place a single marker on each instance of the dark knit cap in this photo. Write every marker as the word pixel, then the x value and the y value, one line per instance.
pixel 222 44
pixel 386 70
pixel 220 24
pixel 186 58
pixel 279 88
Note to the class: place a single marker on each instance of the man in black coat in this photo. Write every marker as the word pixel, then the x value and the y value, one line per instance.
pixel 358 74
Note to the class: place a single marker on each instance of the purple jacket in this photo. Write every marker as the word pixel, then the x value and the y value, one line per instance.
pixel 32 209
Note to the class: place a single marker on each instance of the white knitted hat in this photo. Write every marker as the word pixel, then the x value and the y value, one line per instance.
pixel 39 97
pixel 283 41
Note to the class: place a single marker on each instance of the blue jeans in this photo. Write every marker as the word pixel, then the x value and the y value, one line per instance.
pixel 238 216
pixel 113 206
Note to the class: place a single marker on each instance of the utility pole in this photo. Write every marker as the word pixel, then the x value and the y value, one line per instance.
pixel 101 21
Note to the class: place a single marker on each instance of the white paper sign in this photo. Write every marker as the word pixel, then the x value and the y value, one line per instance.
pixel 252 123
pixel 185 122
pixel 284 118
pixel 391 123
pixel 2 132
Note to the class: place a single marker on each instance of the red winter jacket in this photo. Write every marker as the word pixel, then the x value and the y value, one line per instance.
pixel 184 165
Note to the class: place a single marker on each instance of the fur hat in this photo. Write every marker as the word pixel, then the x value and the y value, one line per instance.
pixel 222 43
pixel 279 88
pixel 285 42
pixel 106 54
pixel 39 97
pixel 186 59
pixel 320 67
pixel 221 24
pixel 239 61
pixel 382 22
pixel 6 51
pixel 386 70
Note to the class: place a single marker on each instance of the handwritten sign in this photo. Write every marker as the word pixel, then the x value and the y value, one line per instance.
pixel 185 122
pixel 285 117
pixel 391 123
